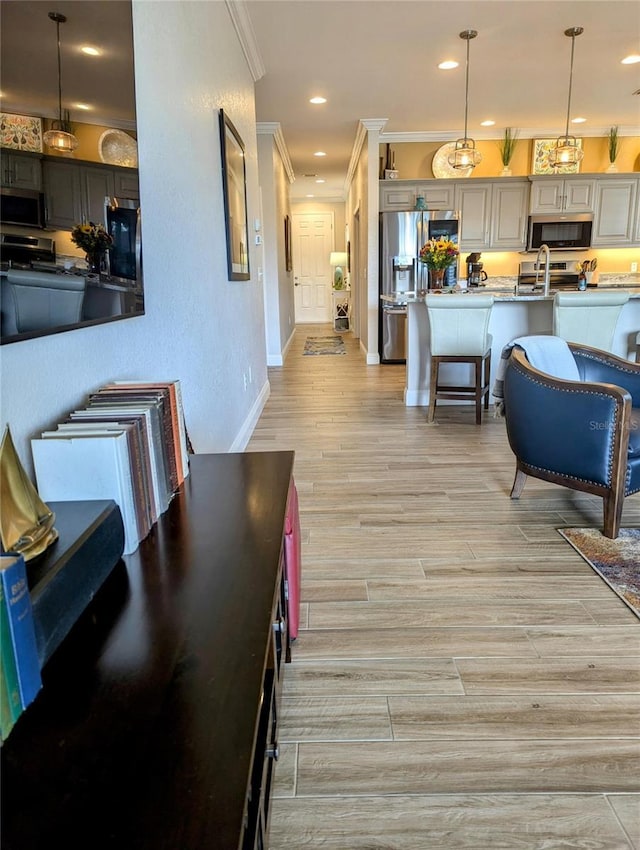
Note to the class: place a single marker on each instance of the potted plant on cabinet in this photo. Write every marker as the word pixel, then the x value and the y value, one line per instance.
pixel 507 147
pixel 614 149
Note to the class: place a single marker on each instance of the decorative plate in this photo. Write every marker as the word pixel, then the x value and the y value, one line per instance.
pixel 118 148
pixel 440 165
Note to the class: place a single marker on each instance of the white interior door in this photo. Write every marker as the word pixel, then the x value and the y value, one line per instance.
pixel 312 244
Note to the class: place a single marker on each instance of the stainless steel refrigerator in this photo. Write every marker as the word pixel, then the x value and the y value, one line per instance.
pixel 402 235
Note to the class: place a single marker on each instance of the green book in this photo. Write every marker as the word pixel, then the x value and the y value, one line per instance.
pixel 10 704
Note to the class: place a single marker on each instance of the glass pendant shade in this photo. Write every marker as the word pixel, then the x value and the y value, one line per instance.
pixel 465 155
pixel 566 151
pixel 60 137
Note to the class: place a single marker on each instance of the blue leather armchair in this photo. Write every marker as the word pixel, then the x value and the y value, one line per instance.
pixel 582 434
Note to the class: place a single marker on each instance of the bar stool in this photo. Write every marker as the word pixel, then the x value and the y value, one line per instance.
pixel 588 318
pixel 458 326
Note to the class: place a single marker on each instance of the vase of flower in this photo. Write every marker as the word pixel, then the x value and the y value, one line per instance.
pixel 438 255
pixel 436 278
pixel 94 240
pixel 94 261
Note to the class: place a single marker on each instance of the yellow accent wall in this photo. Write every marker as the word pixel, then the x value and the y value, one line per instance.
pixel 413 159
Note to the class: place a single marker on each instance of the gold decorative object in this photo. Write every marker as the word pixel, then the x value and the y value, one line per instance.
pixel 26 523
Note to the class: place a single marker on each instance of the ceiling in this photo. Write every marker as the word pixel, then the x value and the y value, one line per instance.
pixel 371 59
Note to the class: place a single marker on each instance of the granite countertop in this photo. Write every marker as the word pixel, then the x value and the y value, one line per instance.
pixel 504 289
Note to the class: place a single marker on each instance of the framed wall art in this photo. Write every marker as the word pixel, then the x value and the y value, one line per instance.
pixel 20 132
pixel 234 186
pixel 287 244
pixel 541 165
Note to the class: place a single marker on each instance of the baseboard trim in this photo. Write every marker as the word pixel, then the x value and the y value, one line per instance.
pixel 244 435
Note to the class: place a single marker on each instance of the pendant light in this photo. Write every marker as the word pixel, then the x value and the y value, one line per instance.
pixel 465 154
pixel 566 151
pixel 60 137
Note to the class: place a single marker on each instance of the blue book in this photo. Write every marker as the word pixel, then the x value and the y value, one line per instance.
pixel 10 705
pixel 23 639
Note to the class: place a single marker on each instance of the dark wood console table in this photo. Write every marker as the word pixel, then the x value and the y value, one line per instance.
pixel 156 725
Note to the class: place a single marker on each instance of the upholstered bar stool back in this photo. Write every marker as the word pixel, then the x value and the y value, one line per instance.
pixel 588 318
pixel 459 333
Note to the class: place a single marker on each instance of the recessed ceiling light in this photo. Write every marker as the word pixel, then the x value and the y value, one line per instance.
pixel 487 123
pixel 318 99
pixel 319 153
pixel 84 106
pixel 448 65
pixel 578 120
pixel 320 181
pixel 630 60
pixel 309 196
pixel 90 51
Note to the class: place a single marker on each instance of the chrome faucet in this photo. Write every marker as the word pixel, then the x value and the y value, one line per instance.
pixel 544 248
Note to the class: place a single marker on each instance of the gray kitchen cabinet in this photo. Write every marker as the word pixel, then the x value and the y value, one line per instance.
pixel 22 171
pixel 63 194
pixel 397 195
pixel 473 201
pixel 126 184
pixel 562 194
pixel 509 205
pixel 616 210
pixel 402 194
pixel 75 192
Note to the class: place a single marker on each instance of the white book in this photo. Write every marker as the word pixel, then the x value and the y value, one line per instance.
pixel 158 473
pixel 147 515
pixel 70 467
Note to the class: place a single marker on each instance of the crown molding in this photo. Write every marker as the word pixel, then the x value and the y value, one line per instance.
pixel 365 125
pixel 486 133
pixel 273 128
pixel 247 37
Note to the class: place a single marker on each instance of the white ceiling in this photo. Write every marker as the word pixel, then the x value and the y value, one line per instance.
pixel 372 59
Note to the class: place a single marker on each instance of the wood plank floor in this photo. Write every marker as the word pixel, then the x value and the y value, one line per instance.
pixel 462 680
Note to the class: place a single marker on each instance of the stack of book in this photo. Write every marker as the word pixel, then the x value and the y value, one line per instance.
pixel 19 666
pixel 128 444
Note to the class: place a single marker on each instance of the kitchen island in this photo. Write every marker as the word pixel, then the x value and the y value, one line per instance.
pixel 512 316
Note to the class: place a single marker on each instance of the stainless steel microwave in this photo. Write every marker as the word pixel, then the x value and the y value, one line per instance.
pixel 570 232
pixel 22 207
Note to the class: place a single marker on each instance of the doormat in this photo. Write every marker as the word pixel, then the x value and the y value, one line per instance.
pixel 324 345
pixel 616 561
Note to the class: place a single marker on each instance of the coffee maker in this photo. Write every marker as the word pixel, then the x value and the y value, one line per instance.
pixel 475 275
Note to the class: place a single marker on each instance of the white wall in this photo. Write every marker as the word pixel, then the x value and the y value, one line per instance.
pixel 198 326
pixel 278 282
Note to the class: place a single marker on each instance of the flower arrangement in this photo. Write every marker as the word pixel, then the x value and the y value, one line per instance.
pixel 508 145
pixel 613 143
pixel 91 238
pixel 439 253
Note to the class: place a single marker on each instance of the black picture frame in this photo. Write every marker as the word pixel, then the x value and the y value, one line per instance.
pixel 287 244
pixel 234 186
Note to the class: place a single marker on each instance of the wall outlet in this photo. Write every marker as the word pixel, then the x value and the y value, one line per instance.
pixel 634 267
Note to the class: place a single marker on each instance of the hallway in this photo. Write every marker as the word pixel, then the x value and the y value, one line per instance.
pixel 462 680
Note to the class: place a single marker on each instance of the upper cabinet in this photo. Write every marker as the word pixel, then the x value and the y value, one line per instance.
pixel 558 194
pixel 509 207
pixel 615 220
pixel 473 201
pixel 402 194
pixel 76 192
pixel 21 171
pixel 493 214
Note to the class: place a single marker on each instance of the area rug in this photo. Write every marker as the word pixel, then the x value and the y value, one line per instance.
pixel 616 561
pixel 324 345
